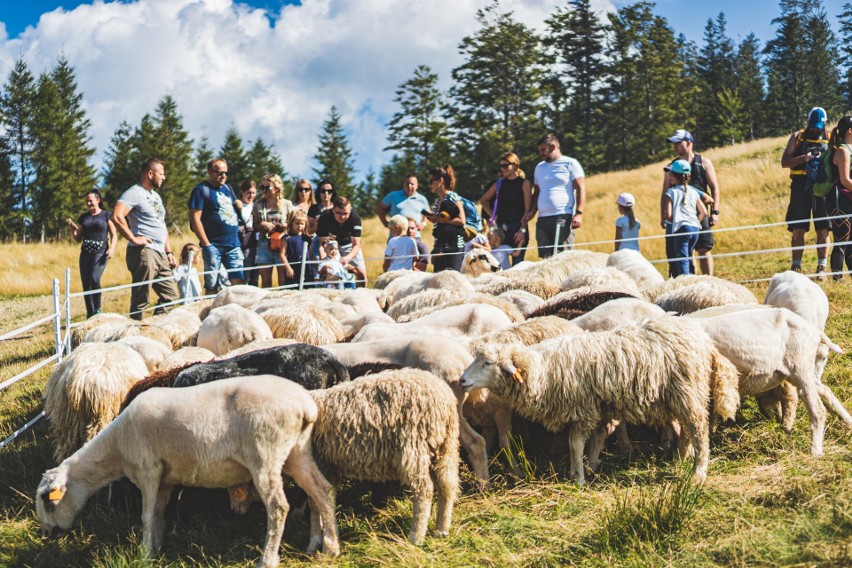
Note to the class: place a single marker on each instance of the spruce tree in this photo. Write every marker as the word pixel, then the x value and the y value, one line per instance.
pixel 845 53
pixel 173 145
pixel 335 157
pixel 122 166
pixel 11 218
pixel 16 113
pixel 715 73
pixel 262 159
pixel 233 152
pixel 750 87
pixel 203 154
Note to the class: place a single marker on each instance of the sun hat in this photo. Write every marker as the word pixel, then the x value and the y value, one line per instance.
pixel 681 167
pixel 817 118
pixel 626 200
pixel 681 135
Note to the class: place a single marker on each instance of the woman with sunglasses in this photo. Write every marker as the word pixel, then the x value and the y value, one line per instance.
pixel 325 193
pixel 303 196
pixel 448 217
pixel 506 201
pixel 269 221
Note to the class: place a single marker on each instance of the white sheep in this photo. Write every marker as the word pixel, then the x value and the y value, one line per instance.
pixel 185 356
pixel 525 302
pixel 241 294
pixel 385 278
pixel 180 324
pixel 79 331
pixel 800 295
pixel 353 324
pixel 649 374
pixel 731 292
pixel 407 285
pixel 636 266
pixel 468 319
pixel 214 435
pixel 508 308
pixel 85 391
pixel 113 331
pixel 364 300
pixel 533 284
pixel 153 352
pixel 306 324
pixel 231 326
pixel 558 267
pixel 479 261
pixel 705 294
pixel 618 312
pixel 605 277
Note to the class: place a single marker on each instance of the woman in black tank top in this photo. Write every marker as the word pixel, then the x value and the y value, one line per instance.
pixel 98 234
pixel 507 201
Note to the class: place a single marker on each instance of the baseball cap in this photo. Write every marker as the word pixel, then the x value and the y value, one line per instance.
pixel 681 167
pixel 816 118
pixel 681 135
pixel 626 200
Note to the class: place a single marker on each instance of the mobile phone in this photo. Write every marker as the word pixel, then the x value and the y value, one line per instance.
pixel 425 212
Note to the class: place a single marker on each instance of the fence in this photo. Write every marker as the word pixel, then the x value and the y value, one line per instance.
pixel 62 307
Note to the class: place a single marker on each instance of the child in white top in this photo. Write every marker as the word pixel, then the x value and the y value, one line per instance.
pixel 401 252
pixel 479 241
pixel 627 226
pixel 332 271
pixel 684 209
pixel 499 250
pixel 186 275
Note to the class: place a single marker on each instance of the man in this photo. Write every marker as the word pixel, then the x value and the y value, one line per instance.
pixel 214 218
pixel 803 147
pixel 560 196
pixel 704 178
pixel 140 216
pixel 406 202
pixel 344 226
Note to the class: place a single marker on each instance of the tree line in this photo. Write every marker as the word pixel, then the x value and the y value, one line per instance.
pixel 612 89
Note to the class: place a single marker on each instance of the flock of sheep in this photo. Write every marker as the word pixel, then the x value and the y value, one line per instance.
pixel 385 384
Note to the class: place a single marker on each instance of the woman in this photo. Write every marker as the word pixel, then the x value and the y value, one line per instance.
pixel 303 196
pixel 448 219
pixel 269 220
pixel 248 238
pixel 839 199
pixel 506 202
pixel 324 195
pixel 97 231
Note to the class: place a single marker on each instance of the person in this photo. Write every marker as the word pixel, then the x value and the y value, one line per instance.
pixel 422 261
pixel 684 210
pixel 140 217
pixel 448 218
pixel 560 196
pixel 704 178
pixel 186 275
pixel 343 225
pixel 839 200
pixel 98 234
pixel 293 251
pixel 500 250
pixel 214 212
pixel 627 226
pixel 269 217
pixel 325 195
pixel 332 270
pixel 803 147
pixel 303 196
pixel 406 202
pixel 248 237
pixel 506 201
pixel 401 253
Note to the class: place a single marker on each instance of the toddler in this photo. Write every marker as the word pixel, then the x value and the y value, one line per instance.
pixel 627 226
pixel 332 271
pixel 401 252
pixel 292 247
pixel 501 251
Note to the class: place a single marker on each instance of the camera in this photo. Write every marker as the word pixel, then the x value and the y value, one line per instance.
pixel 814 152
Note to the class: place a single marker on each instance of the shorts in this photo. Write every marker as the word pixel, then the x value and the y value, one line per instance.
pixel 263 256
pixel 357 261
pixel 214 258
pixel 802 206
pixel 705 240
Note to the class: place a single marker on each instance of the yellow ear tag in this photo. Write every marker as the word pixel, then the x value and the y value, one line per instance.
pixel 240 493
pixel 55 495
pixel 517 376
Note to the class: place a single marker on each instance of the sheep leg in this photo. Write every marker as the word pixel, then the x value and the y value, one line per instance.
pixel 789 401
pixel 421 500
pixel 816 412
pixel 321 496
pixel 447 481
pixel 270 487
pixel 828 396
pixel 700 435
pixel 163 497
pixel 474 445
pixel 503 420
pixel 149 485
pixel 577 442
pixel 596 443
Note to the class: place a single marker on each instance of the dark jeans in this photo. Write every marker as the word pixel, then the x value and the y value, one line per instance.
pixel 510 229
pixel 451 259
pixel 841 229
pixel 92 267
pixel 251 274
pixel 147 264
pixel 545 234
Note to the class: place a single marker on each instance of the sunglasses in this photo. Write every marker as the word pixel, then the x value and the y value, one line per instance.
pixel 326 191
pixel 504 165
pixel 303 189
pixel 219 173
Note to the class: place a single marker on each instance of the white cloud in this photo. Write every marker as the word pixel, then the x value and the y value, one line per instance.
pixel 275 77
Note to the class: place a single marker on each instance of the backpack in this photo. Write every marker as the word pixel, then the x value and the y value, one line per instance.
pixel 823 173
pixel 471 214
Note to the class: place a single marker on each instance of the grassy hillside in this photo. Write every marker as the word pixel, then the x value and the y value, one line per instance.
pixel 766 502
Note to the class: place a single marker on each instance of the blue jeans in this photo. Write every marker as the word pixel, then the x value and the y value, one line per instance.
pixel 683 242
pixel 214 257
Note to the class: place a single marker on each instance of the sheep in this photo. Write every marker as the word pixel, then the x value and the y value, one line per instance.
pixel 527 332
pixel 353 324
pixel 448 279
pixel 535 285
pixel 800 295
pixel 636 266
pixel 338 310
pixel 704 294
pixel 231 326
pixel 652 373
pixel 364 300
pixel 470 319
pixel 525 302
pixel 85 391
pixel 557 268
pixel 185 356
pixel 304 364
pixel 386 278
pixel 654 292
pixel 180 324
pixel 618 312
pixel 201 308
pixel 508 308
pixel 423 299
pixel 600 277
pixel 79 331
pixel 241 294
pixel 215 435
pixel 479 261
pixel 304 323
pixel 113 331
pixel 578 301
pixel 257 346
pixel 152 352
pixel 770 345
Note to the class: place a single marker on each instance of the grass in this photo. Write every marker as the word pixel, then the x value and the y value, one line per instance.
pixel 766 502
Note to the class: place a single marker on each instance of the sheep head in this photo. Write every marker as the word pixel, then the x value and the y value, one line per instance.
pixel 479 261
pixel 55 507
pixel 491 364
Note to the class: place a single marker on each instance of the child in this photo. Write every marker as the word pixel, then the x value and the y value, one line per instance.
pixel 501 251
pixel 292 247
pixel 332 271
pixel 187 276
pixel 401 252
pixel 480 241
pixel 684 209
pixel 627 226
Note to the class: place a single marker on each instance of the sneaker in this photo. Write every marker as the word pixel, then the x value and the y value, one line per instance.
pixel 796 268
pixel 820 272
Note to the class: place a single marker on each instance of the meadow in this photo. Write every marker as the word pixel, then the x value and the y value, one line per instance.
pixel 766 502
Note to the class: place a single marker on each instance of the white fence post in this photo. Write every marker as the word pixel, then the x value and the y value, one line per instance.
pixel 68 310
pixel 304 265
pixel 57 321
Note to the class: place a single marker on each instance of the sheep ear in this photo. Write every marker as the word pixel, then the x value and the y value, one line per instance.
pixel 510 369
pixel 520 364
pixel 56 494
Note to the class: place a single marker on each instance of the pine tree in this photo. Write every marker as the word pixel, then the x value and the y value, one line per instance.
pixel 262 159
pixel 845 41
pixel 715 73
pixel 203 154
pixel 750 86
pixel 233 152
pixel 121 170
pixel 16 113
pixel 731 121
pixel 368 195
pixel 335 156
pixel 11 219
pixel 173 145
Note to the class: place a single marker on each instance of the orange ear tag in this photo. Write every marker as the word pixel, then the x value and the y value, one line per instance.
pixel 240 493
pixel 55 495
pixel 517 376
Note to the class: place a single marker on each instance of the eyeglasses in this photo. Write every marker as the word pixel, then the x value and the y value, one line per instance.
pixel 504 165
pixel 219 173
pixel 326 191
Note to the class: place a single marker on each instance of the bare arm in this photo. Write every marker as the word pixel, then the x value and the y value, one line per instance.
pixel 580 202
pixel 789 159
pixel 841 160
pixel 485 200
pixel 170 255
pixel 702 210
pixel 533 209
pixel 714 189
pixel 667 212
pixel 197 228
pixel 113 238
pixel 617 237
pixel 382 212
pixel 663 200
pixel 356 246
pixel 119 217
pixel 76 230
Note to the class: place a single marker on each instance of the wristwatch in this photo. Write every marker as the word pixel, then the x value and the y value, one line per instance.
pixel 714 212
pixel 578 212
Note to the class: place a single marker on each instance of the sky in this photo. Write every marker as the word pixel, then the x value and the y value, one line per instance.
pixel 274 68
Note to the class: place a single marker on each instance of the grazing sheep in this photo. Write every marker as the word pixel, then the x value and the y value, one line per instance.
pixel 113 331
pixel 535 285
pixel 370 368
pixel 527 332
pixel 85 391
pixel 338 310
pixel 467 319
pixel 229 327
pixel 386 278
pixel 423 299
pixel 79 331
pixel 215 435
pixel 185 356
pixel 448 280
pixel 304 323
pixel 525 302
pixel 800 295
pixel 610 278
pixel 479 261
pixel 581 300
pixel 353 324
pixel 364 300
pixel 649 374
pixel 163 378
pixel 618 312
pixel 180 324
pixel 508 308
pixel 241 294
pixel 304 364
pixel 704 295
pixel 152 352
pixel 636 266
pixel 770 345
pixel 257 346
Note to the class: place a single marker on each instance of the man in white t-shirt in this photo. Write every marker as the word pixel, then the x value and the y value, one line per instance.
pixel 560 196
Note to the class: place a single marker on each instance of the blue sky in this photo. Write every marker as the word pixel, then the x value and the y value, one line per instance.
pixel 274 68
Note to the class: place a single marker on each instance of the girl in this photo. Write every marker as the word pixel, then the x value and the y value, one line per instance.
pixel 684 210
pixel 186 275
pixel 248 238
pixel 839 199
pixel 292 248
pixel 448 218
pixel 627 226
pixel 99 235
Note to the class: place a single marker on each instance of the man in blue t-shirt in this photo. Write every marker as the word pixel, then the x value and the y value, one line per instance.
pixel 406 202
pixel 213 217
